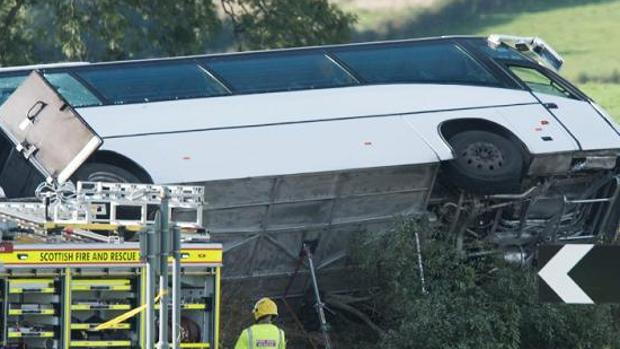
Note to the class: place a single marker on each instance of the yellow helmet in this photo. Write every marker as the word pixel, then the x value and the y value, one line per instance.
pixel 264 307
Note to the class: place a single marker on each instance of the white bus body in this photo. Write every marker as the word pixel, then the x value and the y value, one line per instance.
pixel 320 130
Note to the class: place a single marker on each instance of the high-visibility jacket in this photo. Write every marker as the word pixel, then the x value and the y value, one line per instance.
pixel 261 336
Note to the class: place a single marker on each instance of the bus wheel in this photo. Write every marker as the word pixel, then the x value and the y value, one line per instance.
pixel 485 163
pixel 100 172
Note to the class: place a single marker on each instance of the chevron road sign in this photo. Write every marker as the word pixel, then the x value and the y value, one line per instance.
pixel 579 274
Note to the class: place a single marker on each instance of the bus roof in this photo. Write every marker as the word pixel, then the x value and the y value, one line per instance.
pixel 42 66
pixel 441 60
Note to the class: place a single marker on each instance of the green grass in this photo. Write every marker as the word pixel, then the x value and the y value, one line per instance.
pixel 584 34
pixel 607 95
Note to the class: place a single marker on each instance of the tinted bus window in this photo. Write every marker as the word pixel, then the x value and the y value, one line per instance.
pixel 423 63
pixel 538 82
pixel 500 52
pixel 134 83
pixel 8 85
pixel 269 73
pixel 74 92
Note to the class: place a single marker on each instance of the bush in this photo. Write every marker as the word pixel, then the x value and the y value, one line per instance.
pixel 471 303
pixel 613 78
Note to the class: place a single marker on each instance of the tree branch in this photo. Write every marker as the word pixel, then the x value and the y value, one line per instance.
pixel 4 29
pixel 10 17
pixel 228 8
pixel 338 304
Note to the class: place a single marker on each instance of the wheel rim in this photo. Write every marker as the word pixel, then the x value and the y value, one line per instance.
pixel 483 157
pixel 102 176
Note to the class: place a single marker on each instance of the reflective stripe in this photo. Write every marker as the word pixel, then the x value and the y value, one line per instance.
pixel 264 336
pixel 250 339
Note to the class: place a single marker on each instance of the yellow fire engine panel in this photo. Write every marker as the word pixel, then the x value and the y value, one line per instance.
pixel 97 344
pixel 17 286
pixel 59 294
pixel 87 307
pixel 33 334
pixel 31 255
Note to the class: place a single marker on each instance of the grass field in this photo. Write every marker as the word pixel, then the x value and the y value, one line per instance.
pixel 584 32
pixel 585 36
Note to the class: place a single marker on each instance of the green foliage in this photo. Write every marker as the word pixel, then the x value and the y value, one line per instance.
pixel 13 32
pixel 471 303
pixel 59 30
pixel 282 23
pixel 70 22
pixel 135 28
pixel 38 32
pixel 606 95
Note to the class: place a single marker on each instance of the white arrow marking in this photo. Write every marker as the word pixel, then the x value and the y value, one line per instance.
pixel 555 274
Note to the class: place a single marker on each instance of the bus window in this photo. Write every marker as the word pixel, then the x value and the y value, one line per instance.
pixel 136 83
pixel 283 72
pixel 8 85
pixel 74 92
pixel 499 52
pixel 538 82
pixel 422 63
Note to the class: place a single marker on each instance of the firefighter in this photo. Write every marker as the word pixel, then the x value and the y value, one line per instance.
pixel 263 334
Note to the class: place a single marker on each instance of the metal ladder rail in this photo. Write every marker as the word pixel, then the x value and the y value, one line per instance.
pixel 105 196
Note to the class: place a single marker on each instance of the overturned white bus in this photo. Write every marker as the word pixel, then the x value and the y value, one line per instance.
pixel 316 144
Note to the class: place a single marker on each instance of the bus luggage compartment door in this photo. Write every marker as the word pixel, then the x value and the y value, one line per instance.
pixel 46 130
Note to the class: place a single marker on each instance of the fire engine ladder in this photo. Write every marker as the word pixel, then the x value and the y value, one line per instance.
pixel 96 206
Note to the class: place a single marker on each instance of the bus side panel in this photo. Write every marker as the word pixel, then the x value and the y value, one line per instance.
pixel 592 130
pixel 276 150
pixel 532 124
pixel 295 106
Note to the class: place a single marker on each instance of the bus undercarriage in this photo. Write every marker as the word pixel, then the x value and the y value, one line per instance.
pixel 557 209
pixel 264 222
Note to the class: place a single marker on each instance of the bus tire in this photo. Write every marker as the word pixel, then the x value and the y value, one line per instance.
pixel 485 163
pixel 101 172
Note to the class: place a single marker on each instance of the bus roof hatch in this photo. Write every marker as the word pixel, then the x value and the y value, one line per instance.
pixel 534 47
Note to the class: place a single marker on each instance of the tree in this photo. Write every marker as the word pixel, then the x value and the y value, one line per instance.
pixel 57 30
pixel 471 303
pixel 281 23
pixel 108 29
pixel 15 41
